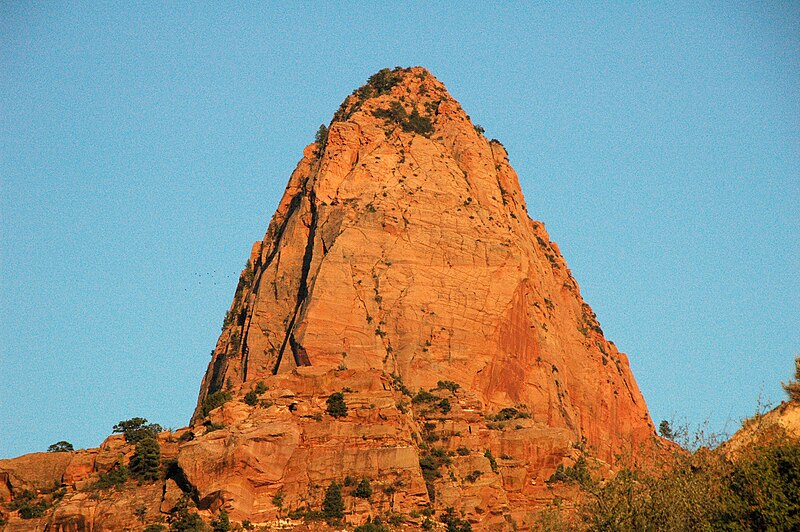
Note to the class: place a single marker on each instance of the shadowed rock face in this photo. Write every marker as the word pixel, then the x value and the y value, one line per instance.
pixel 401 255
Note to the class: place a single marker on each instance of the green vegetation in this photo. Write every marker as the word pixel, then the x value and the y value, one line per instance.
pixel 260 388
pixel 492 462
pixel 28 505
pixel 792 388
pixel 755 488
pixel 448 385
pixel 155 527
pixel 336 405
pixel 453 522
pixel 221 523
pixel 665 429
pixel 363 490
pixel 137 429
pixel 321 138
pixel 145 464
pixel 114 478
pixel 378 84
pixel 61 447
pixel 383 80
pixel 333 504
pixel 215 400
pixel 251 398
pixel 396 114
pixel 423 396
pixel 474 476
pixel 183 519
pixel 510 413
pixel 430 462
pixel 579 472
pixel 463 451
pixel 278 499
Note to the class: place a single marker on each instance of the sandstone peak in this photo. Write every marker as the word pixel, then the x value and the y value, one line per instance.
pixel 403 321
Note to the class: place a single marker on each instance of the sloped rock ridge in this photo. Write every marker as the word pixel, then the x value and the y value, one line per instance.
pixel 404 324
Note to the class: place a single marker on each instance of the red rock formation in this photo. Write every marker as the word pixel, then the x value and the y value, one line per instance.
pixel 402 255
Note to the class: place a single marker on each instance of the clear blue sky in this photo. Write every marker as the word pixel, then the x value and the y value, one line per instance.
pixel 145 147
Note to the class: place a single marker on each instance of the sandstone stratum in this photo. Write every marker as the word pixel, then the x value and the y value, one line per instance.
pixel 403 322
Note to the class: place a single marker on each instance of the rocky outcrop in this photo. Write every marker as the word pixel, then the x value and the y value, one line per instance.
pixel 402 271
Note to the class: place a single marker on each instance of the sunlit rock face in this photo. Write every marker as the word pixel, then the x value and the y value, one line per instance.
pixel 401 258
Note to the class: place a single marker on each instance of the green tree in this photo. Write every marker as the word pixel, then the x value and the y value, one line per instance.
pixel 215 400
pixel 136 429
pixel 363 490
pixel 221 523
pixel 146 460
pixel 184 520
pixel 336 405
pixel 61 447
pixel 321 138
pixel 792 388
pixel 333 504
pixel 251 398
pixel 665 430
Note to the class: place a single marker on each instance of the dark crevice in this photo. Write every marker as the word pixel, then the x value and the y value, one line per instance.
pixel 220 365
pixel 302 291
pixel 175 472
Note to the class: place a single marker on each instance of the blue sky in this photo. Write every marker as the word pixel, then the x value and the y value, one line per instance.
pixel 145 147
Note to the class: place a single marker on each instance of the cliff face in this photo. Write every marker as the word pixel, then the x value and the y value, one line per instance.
pixel 402 250
pixel 402 258
pixel 413 254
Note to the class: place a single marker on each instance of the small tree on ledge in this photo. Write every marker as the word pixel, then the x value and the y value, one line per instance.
pixel 792 388
pixel 336 405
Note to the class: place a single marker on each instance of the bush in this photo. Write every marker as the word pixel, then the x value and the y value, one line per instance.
pixel 492 462
pixel 397 114
pixel 579 472
pixel 333 504
pixel 383 81
pixel 463 451
pixel 32 511
pixel 114 478
pixel 251 398
pixel 260 387
pixel 215 400
pixel 424 397
pixel 474 476
pixel 429 464
pixel 792 388
pixel 221 523
pixel 444 406
pixel 184 520
pixel 665 430
pixel 363 490
pixel 448 385
pixel 146 460
pixel 418 124
pixel 155 527
pixel 136 429
pixel 61 447
pixel 336 405
pixel 455 523
pixel 759 489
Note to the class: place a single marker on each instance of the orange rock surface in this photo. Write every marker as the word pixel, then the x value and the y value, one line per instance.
pixel 401 255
